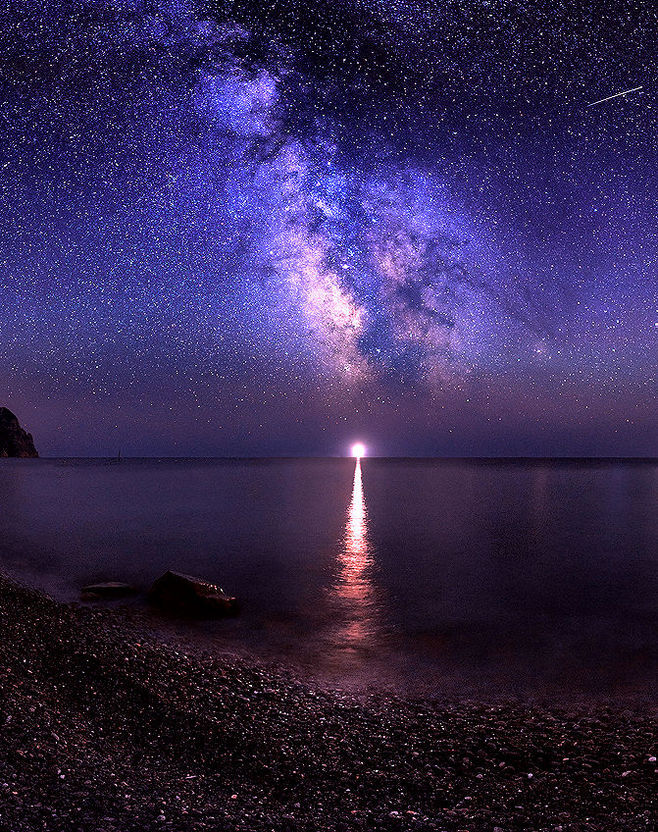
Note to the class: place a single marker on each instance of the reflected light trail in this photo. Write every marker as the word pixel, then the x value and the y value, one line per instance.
pixel 356 542
pixel 354 587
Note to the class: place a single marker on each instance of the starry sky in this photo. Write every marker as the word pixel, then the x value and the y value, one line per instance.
pixel 272 227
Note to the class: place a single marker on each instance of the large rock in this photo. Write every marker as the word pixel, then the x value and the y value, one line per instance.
pixel 14 441
pixel 178 593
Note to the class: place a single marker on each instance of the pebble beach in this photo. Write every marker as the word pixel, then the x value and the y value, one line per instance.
pixel 107 728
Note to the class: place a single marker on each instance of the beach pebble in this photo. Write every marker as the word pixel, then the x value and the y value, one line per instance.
pixel 183 739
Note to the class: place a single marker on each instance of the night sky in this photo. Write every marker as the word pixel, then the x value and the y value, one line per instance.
pixel 253 228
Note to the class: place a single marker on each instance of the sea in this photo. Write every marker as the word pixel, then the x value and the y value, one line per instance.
pixel 441 577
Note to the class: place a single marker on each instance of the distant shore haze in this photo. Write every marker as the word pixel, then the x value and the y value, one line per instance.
pixel 14 440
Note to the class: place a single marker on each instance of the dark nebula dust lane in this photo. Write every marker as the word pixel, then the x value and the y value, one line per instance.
pixel 271 228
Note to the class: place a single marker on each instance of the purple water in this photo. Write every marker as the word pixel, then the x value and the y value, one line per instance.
pixel 444 576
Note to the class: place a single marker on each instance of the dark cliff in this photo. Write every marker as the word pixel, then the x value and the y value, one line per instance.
pixel 14 441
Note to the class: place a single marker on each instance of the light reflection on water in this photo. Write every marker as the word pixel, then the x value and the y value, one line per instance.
pixel 354 590
pixel 440 573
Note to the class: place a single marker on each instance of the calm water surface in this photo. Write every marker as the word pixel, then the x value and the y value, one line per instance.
pixel 426 575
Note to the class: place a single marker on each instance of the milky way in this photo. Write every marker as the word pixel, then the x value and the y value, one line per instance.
pixel 238 227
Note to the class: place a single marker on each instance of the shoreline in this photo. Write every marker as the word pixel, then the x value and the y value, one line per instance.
pixel 396 668
pixel 105 727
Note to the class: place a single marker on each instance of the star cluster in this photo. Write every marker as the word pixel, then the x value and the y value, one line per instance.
pixel 247 227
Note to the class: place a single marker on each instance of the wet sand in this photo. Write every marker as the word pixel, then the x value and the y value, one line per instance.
pixel 107 727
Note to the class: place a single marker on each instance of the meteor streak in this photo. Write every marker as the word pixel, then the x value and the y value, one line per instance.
pixel 616 95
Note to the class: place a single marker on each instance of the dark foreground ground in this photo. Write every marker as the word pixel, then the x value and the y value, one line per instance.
pixel 106 729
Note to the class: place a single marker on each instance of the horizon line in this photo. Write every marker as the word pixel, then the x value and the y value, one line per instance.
pixel 368 456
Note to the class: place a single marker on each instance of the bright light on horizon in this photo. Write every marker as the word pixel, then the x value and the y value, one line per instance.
pixel 358 450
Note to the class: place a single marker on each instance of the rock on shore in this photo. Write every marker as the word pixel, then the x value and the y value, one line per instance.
pixel 188 595
pixel 14 441
pixel 106 590
pixel 105 728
